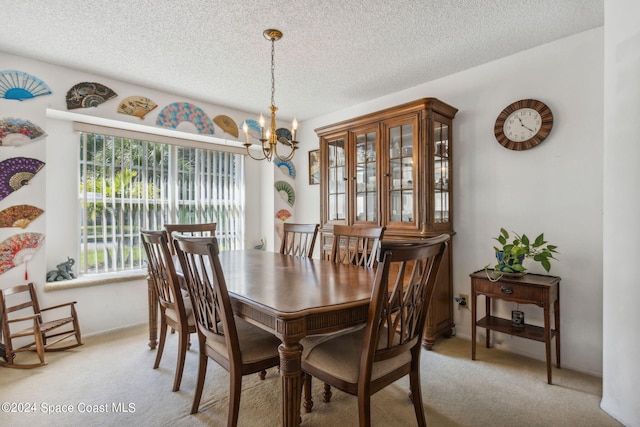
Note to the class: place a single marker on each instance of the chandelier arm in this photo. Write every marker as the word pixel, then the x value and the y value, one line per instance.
pixel 252 156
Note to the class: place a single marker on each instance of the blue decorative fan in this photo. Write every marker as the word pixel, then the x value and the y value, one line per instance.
pixel 286 167
pixel 19 85
pixel 254 128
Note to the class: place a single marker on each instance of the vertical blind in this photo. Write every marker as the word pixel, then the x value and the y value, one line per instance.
pixel 129 184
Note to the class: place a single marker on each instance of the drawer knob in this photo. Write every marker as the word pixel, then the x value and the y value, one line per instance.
pixel 506 290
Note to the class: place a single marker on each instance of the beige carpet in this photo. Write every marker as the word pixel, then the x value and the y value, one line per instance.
pixel 110 382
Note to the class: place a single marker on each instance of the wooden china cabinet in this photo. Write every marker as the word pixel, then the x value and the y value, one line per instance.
pixel 392 168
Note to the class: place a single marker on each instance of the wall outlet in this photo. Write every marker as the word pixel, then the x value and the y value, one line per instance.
pixel 463 302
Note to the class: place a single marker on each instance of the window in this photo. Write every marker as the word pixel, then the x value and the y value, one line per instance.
pixel 128 185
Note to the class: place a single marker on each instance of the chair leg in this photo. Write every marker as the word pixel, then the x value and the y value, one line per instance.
pixel 182 352
pixel 364 409
pixel 202 372
pixel 262 374
pixel 163 337
pixel 326 394
pixel 235 388
pixel 308 399
pixel 416 397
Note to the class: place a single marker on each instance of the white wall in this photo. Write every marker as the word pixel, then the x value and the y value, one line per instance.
pixel 108 306
pixel 621 372
pixel 555 188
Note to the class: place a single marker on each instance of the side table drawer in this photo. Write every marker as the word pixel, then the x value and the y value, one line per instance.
pixel 514 291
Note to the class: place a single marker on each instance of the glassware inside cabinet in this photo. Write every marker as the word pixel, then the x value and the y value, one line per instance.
pixel 441 172
pixel 336 171
pixel 366 177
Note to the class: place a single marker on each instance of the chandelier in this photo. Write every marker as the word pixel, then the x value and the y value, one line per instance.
pixel 270 137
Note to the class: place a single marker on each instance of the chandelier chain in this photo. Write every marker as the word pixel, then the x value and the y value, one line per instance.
pixel 273 72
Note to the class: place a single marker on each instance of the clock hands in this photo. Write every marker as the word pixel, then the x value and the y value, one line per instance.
pixel 522 124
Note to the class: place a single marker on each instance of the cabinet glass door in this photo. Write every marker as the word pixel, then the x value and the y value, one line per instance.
pixel 336 183
pixel 401 174
pixel 441 172
pixel 366 208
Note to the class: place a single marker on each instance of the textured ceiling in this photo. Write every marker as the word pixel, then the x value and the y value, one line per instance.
pixel 334 53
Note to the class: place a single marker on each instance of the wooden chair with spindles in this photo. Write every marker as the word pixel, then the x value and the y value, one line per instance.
pixel 175 305
pixel 364 361
pixel 203 229
pixel 356 244
pixel 299 239
pixel 235 344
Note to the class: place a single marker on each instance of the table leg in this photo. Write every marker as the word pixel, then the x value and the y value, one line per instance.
pixel 292 379
pixel 547 341
pixel 487 309
pixel 473 324
pixel 556 315
pixel 153 313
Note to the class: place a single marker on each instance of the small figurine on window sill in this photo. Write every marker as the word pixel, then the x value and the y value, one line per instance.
pixel 64 271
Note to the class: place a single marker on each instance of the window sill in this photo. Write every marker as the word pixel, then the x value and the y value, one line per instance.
pixel 96 280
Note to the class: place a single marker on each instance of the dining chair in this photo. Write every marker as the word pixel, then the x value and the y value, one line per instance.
pixel 365 361
pixel 24 320
pixel 235 344
pixel 356 244
pixel 299 239
pixel 203 229
pixel 175 306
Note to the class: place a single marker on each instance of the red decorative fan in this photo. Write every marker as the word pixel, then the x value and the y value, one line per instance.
pixel 19 249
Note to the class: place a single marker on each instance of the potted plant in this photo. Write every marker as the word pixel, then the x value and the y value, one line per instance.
pixel 511 254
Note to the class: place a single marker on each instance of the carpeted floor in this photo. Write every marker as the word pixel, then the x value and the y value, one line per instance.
pixel 110 382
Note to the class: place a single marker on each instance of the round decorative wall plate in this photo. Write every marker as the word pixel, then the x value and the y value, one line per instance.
pixel 523 124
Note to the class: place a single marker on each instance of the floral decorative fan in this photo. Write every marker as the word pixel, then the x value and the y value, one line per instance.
pixel 283 214
pixel 19 249
pixel 88 94
pixel 16 172
pixel 137 106
pixel 19 85
pixel 19 215
pixel 174 114
pixel 17 132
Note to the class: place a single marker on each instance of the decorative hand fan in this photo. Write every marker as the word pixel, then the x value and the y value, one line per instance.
pixel 283 133
pixel 286 167
pixel 286 192
pixel 137 106
pixel 19 249
pixel 19 85
pixel 16 172
pixel 227 124
pixel 88 94
pixel 283 214
pixel 254 128
pixel 18 131
pixel 174 114
pixel 19 215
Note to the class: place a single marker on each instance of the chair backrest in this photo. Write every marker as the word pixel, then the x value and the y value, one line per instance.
pixel 405 278
pixel 163 273
pixel 20 298
pixel 209 295
pixel 299 239
pixel 204 229
pixel 356 244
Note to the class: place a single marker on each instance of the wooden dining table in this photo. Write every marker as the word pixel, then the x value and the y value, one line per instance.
pixel 291 297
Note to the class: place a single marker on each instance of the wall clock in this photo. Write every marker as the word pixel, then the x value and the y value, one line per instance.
pixel 523 124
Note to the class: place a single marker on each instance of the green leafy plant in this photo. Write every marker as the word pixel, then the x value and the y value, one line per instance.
pixel 511 253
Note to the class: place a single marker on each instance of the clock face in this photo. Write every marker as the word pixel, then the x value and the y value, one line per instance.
pixel 522 124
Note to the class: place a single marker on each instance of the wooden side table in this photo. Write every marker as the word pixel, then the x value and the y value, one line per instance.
pixel 541 290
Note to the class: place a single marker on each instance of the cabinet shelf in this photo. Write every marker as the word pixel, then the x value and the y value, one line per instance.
pixel 499 324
